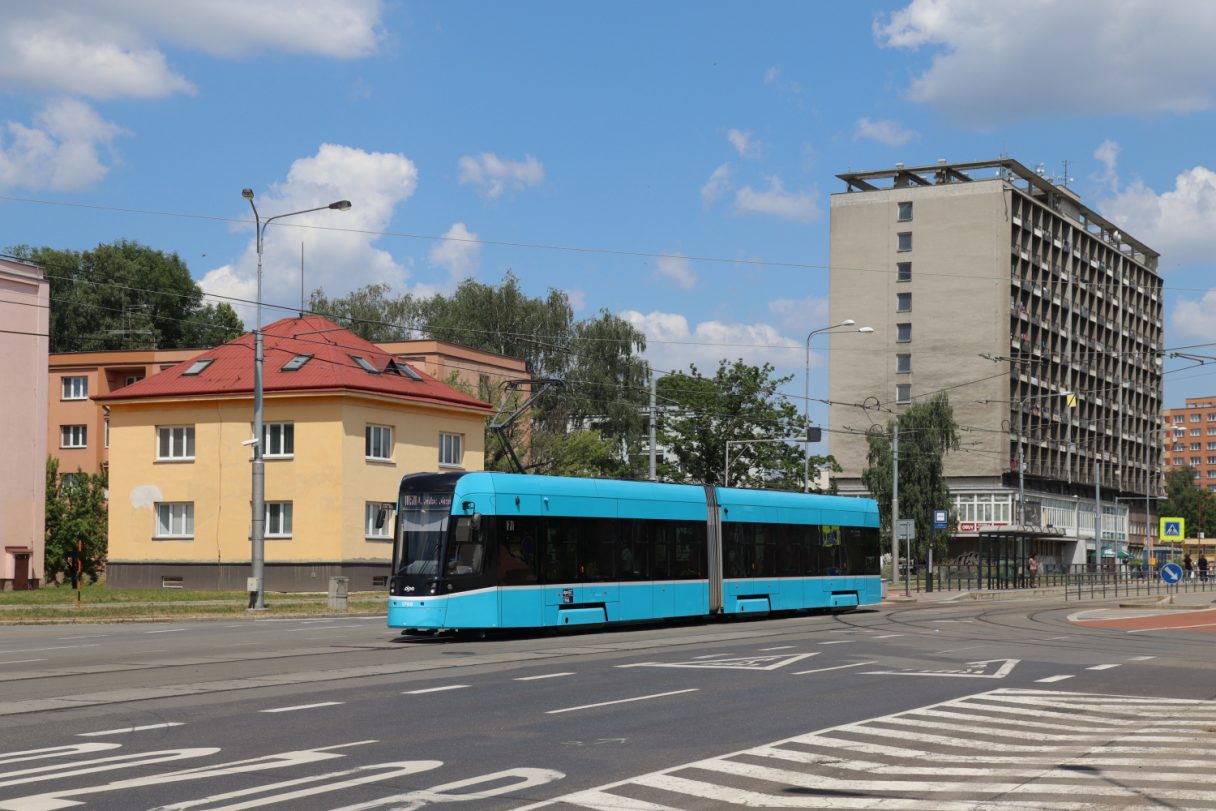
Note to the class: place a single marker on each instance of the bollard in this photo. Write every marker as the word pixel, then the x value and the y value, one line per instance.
pixel 337 592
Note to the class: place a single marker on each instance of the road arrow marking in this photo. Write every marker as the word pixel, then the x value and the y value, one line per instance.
pixel 741 663
pixel 973 670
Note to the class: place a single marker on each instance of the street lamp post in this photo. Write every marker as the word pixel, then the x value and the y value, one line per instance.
pixel 257 590
pixel 806 399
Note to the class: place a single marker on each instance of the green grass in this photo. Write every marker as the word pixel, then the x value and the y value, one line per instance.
pixel 99 603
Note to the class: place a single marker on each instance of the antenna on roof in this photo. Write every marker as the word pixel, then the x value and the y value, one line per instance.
pixel 301 278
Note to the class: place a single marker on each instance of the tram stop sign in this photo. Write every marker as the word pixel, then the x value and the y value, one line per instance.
pixel 940 519
pixel 1171 573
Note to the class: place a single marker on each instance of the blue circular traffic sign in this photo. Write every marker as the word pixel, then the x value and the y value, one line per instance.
pixel 1171 573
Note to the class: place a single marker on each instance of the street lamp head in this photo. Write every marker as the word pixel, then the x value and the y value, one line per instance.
pixel 865 330
pixel 247 194
pixel 341 205
pixel 848 322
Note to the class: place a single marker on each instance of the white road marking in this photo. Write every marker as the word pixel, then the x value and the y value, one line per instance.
pixel 836 642
pixel 26 755
pixel 973 670
pixel 543 676
pixel 1075 751
pixel 124 730
pixel 964 621
pixel 305 706
pixel 167 631
pixel 711 656
pixel 779 647
pixel 54 647
pixel 888 636
pixel 826 669
pixel 622 701
pixel 20 661
pixel 435 689
pixel 1101 667
pixel 1141 658
pixel 83 636
pixel 1053 679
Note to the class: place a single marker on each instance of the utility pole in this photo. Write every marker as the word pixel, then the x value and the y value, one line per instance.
pixel 894 502
pixel 653 418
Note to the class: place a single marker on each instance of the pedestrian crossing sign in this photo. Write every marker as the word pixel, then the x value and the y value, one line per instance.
pixel 1173 529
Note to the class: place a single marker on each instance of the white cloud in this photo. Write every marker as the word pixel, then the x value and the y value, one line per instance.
pixel 340 254
pixel 1108 153
pixel 459 253
pixel 678 269
pixel 1178 223
pixel 1134 56
pixel 772 75
pixel 1192 320
pixel 578 299
pixel 492 174
pixel 61 151
pixel 777 202
pixel 112 48
pixel 883 131
pixel 717 185
pixel 744 143
pixel 671 344
pixel 800 316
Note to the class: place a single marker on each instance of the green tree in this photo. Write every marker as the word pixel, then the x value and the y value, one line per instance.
pixel 76 531
pixel 370 312
pixel 927 432
pixel 740 403
pixel 125 295
pixel 1187 500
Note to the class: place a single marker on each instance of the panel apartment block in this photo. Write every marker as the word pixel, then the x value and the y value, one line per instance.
pixel 1040 319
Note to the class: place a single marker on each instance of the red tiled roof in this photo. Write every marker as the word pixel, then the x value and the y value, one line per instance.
pixel 332 367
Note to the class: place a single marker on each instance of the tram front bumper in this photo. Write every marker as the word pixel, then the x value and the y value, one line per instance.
pixel 416 612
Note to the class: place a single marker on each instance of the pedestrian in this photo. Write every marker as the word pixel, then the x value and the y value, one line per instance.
pixel 1033 566
pixel 1203 567
pixel 1187 566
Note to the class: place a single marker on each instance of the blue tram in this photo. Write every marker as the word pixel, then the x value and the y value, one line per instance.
pixel 502 550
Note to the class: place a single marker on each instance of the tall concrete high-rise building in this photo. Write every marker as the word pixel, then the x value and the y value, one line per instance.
pixel 1042 322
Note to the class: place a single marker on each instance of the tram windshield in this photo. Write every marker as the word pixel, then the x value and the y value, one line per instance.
pixel 423 524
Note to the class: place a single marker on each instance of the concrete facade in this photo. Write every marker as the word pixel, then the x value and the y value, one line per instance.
pixel 25 303
pixel 1041 321
pixel 1190 439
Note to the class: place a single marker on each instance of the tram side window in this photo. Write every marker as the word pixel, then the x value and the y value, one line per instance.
pixel 634 563
pixel 689 550
pixel 466 554
pixel 791 548
pixel 517 550
pixel 860 550
pixel 812 550
pixel 597 553
pixel 659 542
pixel 559 563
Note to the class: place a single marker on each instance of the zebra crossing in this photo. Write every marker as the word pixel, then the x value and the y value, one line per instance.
pixel 1002 749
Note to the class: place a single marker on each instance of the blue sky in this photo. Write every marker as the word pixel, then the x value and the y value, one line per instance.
pixel 664 141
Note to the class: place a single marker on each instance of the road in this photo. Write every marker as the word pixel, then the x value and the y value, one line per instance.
pixel 923 706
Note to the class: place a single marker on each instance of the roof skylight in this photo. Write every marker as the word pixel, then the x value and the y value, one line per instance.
pixel 296 362
pixel 198 366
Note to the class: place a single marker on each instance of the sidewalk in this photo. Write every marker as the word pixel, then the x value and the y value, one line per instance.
pixel 1190 599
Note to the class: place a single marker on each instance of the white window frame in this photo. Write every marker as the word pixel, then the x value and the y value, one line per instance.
pixel 180 441
pixel 73 436
pixel 447 443
pixel 286 435
pixel 903 393
pixel 174 520
pixel 902 238
pixel 280 517
pixel 370 510
pixel 75 387
pixel 903 302
pixel 378 438
pixel 903 363
pixel 900 276
pixel 900 328
pixel 900 208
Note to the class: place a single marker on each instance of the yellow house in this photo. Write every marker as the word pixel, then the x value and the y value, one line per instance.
pixel 344 421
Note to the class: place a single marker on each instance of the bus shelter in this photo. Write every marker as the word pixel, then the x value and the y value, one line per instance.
pixel 1002 553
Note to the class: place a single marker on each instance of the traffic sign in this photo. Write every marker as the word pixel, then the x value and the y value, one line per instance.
pixel 1171 573
pixel 905 529
pixel 1173 529
pixel 940 518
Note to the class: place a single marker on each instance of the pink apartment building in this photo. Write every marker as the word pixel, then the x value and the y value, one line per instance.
pixel 25 302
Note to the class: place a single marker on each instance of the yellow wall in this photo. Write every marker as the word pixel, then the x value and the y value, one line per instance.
pixel 328 480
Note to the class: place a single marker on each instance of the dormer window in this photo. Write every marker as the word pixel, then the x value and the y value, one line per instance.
pixel 364 364
pixel 197 367
pixel 402 369
pixel 295 363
